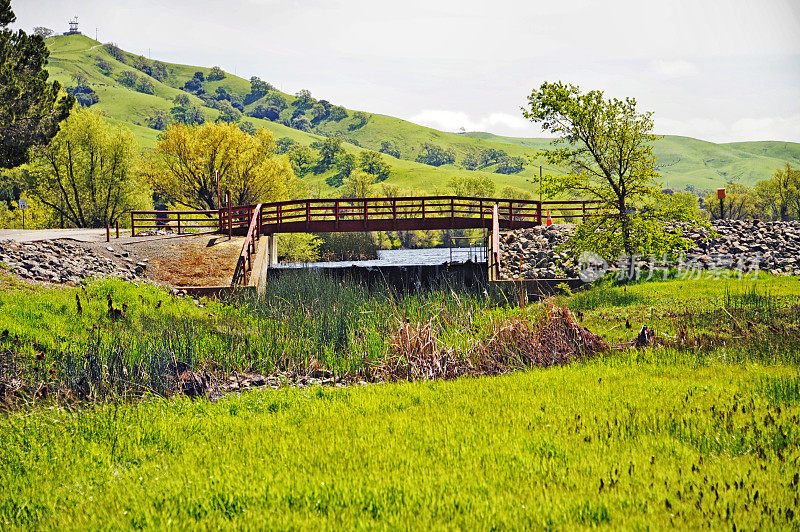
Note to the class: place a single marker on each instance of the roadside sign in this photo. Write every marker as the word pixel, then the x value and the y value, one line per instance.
pixel 23 204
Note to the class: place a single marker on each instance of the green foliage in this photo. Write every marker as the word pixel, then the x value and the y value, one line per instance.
pixel 607 145
pixel 30 107
pixel 145 86
pixel 185 112
pixel 359 184
pixel 740 202
pixel 88 173
pixel 373 164
pixel 129 78
pixel 328 151
pixel 283 145
pixel 359 120
pixel 510 165
pixel 159 120
pixel 216 74
pixel 471 186
pixel 84 95
pixel 298 247
pixel 302 159
pixel 435 155
pixel 115 52
pixel 389 148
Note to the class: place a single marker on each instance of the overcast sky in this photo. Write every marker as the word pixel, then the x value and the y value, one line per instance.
pixel 718 70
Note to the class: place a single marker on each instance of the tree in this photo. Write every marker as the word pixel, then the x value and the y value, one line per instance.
pixel 328 151
pixel 471 186
pixel 740 202
pixel 104 66
pixel 185 112
pixel 389 148
pixel 258 89
pixel 302 159
pixel 283 144
pixel 186 160
pixel 216 74
pixel 607 145
pixel 129 78
pixel 30 107
pixel 115 52
pixel 784 190
pixel 84 95
pixel 302 123
pixel 360 120
pixel 510 165
pixel 372 163
pixel 88 173
pixel 510 192
pixel 303 100
pixel 275 100
pixel 435 155
pixel 358 185
pixel 337 113
pixel 345 164
pixel 44 33
pixel 146 86
pixel 158 120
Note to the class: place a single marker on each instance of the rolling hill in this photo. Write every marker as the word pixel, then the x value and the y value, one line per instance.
pixel 685 161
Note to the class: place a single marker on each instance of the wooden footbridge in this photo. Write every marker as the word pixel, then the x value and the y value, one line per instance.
pixel 362 215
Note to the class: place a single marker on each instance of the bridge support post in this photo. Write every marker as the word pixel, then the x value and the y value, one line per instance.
pixel 272 249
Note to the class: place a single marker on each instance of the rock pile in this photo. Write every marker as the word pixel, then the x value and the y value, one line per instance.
pixel 61 261
pixel 531 254
pixel 746 245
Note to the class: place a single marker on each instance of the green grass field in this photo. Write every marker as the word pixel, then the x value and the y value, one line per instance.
pixel 701 431
pixel 685 161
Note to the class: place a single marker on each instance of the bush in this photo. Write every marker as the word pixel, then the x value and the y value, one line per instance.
pixel 129 78
pixel 216 74
pixel 510 165
pixel 115 52
pixel 146 86
pixel 158 120
pixel 86 96
pixel 434 155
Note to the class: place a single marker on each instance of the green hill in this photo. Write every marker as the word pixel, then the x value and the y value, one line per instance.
pixel 685 161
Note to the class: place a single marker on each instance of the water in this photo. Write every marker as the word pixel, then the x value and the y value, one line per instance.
pixel 403 257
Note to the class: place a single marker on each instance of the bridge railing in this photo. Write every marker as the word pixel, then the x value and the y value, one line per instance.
pixel 176 220
pixel 244 265
pixel 336 211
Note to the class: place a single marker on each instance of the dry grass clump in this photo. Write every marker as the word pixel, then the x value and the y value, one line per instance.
pixel 416 354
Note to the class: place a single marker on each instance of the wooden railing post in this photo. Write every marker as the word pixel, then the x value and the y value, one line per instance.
pixel 230 217
pixel 366 214
pixel 133 225
pixel 423 208
pixel 538 213
pixel 394 212
pixel 308 213
pixel 336 213
pixel 117 224
pixel 583 219
pixel 179 223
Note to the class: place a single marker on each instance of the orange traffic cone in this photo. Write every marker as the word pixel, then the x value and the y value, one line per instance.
pixel 549 220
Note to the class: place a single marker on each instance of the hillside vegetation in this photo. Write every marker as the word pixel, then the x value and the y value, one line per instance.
pixel 685 161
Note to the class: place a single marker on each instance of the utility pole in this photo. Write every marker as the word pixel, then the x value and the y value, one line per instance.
pixel 540 183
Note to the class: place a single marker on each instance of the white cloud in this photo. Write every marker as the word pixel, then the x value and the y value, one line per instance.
pixel 768 128
pixel 674 69
pixel 455 120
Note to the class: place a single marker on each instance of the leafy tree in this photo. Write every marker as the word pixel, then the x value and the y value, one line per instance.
pixel 104 66
pixel 193 85
pixel 372 163
pixel 345 164
pixel 510 165
pixel 146 86
pixel 129 78
pixel 360 120
pixel 115 52
pixel 247 127
pixel 784 191
pixel 358 184
pixel 302 159
pixel 328 151
pixel 185 112
pixel 471 161
pixel 319 112
pixel 435 155
pixel 44 33
pixel 258 89
pixel 199 76
pixel 158 120
pixel 283 144
pixel 607 145
pixel 510 192
pixel 141 64
pixel 227 112
pixel 471 186
pixel 389 148
pixel 216 74
pixel 160 71
pixel 302 123
pixel 337 113
pixel 303 100
pixel 275 100
pixel 84 95
pixel 740 202
pixel 88 173
pixel 30 107
pixel 186 160
pixel 223 94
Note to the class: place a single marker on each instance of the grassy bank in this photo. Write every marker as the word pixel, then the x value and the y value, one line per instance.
pixel 697 430
pixel 625 441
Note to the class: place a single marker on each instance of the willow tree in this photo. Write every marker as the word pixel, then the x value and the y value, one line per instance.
pixel 188 160
pixel 607 145
pixel 88 173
